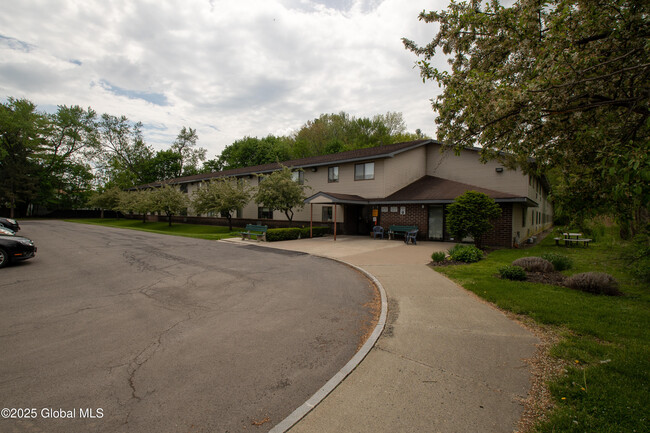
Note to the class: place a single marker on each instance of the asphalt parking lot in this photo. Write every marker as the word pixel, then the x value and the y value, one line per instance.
pixel 114 330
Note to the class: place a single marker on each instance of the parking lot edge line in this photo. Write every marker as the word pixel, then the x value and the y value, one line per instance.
pixel 348 368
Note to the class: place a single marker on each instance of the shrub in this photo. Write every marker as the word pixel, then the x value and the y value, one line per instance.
pixel 438 256
pixel 465 253
pixel 534 264
pixel 273 235
pixel 512 272
pixel 317 232
pixel 471 214
pixel 559 262
pixel 594 282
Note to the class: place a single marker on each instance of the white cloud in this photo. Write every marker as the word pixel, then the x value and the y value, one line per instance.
pixel 228 69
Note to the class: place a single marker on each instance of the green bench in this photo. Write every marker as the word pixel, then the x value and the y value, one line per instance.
pixel 254 230
pixel 400 230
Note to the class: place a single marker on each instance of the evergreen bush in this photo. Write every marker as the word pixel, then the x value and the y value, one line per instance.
pixel 438 256
pixel 512 272
pixel 559 262
pixel 465 253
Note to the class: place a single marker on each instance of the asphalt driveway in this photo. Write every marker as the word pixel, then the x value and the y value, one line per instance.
pixel 115 330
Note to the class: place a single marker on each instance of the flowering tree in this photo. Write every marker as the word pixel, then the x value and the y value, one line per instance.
pixel 222 196
pixel 562 81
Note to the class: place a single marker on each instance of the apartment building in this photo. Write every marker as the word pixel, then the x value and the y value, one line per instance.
pixel 405 184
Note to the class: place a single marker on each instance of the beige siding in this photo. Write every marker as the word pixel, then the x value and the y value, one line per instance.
pixel 467 168
pixel 535 222
pixel 392 174
pixel 404 169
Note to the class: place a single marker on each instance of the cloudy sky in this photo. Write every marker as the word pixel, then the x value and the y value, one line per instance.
pixel 226 68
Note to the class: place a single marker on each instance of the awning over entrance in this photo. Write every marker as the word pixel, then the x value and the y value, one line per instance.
pixel 335 198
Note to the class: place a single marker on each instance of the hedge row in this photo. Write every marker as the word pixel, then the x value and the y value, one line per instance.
pixel 274 235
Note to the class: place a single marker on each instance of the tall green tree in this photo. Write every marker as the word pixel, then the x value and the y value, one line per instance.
pixel 71 134
pixel 190 155
pixel 280 191
pixel 332 133
pixel 221 195
pixel 562 81
pixel 69 142
pixel 165 164
pixel 21 132
pixel 251 151
pixel 125 156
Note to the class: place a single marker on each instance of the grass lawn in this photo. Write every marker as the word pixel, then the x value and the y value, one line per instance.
pixel 604 339
pixel 177 229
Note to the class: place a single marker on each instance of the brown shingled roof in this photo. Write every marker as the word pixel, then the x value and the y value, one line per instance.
pixel 336 197
pixel 386 151
pixel 436 189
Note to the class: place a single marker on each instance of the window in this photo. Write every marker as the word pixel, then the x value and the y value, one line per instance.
pixel 364 171
pixel 264 213
pixel 524 210
pixel 333 174
pixel 298 177
pixel 327 213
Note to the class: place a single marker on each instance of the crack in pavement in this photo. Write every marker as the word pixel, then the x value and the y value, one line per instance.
pixel 441 370
pixel 141 359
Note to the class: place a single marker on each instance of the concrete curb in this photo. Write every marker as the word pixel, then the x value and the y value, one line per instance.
pixel 348 368
pixel 331 384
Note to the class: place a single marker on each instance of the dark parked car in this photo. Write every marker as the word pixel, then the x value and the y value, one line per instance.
pixel 14 248
pixel 6 232
pixel 9 223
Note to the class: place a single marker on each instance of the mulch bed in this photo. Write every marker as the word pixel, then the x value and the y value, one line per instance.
pixel 554 278
pixel 447 263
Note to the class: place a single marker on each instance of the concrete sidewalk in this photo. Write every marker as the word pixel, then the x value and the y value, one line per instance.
pixel 446 361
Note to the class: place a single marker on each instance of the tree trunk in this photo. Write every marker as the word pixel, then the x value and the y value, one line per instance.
pixel 289 217
pixel 229 222
pixel 169 217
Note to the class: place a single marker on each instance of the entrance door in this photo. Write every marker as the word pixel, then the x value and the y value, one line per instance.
pixel 436 218
pixel 357 220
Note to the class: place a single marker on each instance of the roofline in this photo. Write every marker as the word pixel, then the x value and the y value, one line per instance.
pixel 526 200
pixel 306 164
pixel 334 199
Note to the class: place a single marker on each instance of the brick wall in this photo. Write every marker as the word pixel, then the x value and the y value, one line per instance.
pixel 415 216
pixel 501 236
